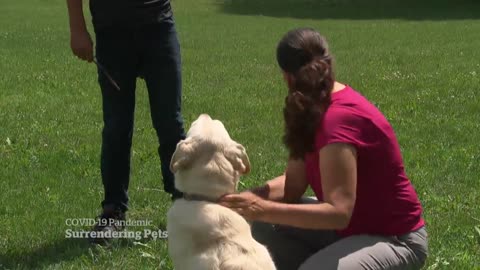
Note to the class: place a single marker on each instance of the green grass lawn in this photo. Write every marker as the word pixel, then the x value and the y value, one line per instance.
pixel 419 63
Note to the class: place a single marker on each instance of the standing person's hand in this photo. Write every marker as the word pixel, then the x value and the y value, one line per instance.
pixel 247 204
pixel 82 45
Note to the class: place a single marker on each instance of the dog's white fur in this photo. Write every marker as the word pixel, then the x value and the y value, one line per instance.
pixel 203 235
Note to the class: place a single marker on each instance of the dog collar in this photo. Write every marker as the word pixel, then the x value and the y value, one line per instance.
pixel 197 197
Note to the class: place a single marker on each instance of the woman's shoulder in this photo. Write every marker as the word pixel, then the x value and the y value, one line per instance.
pixel 349 118
pixel 341 114
pixel 349 97
pixel 353 118
pixel 351 105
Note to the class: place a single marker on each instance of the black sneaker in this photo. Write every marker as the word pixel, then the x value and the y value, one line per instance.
pixel 109 222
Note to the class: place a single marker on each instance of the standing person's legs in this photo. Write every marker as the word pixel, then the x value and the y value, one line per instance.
pixel 116 53
pixel 161 68
pixel 372 252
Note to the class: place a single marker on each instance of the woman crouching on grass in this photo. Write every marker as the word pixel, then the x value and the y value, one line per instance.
pixel 368 215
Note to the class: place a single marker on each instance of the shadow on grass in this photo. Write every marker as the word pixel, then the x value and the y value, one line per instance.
pixel 51 253
pixel 357 9
pixel 62 250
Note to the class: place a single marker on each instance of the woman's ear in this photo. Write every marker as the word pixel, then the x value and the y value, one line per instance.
pixel 289 80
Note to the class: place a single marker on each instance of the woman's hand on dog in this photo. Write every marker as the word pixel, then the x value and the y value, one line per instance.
pixel 247 204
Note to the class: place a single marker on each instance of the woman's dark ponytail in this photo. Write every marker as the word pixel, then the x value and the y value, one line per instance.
pixel 303 53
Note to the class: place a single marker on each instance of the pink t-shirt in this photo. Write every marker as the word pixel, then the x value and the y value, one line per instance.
pixel 386 203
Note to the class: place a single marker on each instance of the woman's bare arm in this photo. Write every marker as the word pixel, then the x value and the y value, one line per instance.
pixel 288 187
pixel 338 167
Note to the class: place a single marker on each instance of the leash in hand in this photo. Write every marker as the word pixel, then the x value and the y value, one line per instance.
pixel 105 72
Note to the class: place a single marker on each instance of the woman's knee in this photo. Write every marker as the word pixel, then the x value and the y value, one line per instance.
pixel 286 251
pixel 262 232
pixel 417 241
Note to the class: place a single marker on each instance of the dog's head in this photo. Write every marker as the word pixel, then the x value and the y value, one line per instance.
pixel 208 162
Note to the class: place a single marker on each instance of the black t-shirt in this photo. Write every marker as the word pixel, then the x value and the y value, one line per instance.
pixel 106 13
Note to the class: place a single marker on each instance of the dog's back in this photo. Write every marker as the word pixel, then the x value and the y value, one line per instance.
pixel 207 236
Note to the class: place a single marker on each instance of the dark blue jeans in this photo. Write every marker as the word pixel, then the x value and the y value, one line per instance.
pixel 153 53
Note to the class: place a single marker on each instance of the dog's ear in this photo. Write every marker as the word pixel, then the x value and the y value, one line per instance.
pixel 238 157
pixel 183 155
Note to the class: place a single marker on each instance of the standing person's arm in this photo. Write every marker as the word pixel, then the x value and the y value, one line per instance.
pixel 288 187
pixel 80 40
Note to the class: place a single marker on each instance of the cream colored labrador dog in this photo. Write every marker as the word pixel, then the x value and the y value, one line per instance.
pixel 203 235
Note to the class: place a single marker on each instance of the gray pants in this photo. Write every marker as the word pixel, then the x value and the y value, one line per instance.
pixel 293 248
